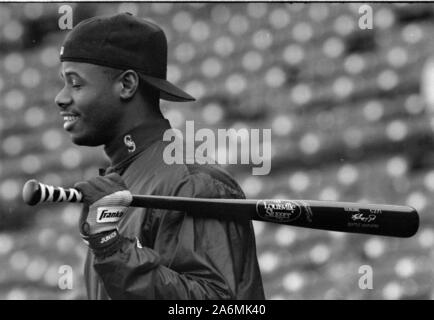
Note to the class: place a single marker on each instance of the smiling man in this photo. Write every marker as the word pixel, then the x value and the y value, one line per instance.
pixel 114 73
pixel 88 104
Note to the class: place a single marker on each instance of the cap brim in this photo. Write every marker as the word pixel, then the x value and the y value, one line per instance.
pixel 168 91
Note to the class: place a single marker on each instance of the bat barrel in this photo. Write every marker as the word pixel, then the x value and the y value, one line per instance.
pixel 375 219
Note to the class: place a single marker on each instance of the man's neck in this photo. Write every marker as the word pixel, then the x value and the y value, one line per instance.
pixel 135 140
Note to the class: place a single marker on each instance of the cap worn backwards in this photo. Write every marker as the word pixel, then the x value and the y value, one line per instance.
pixel 122 42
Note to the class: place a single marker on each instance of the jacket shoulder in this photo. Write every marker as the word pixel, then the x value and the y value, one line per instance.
pixel 201 181
pixel 217 176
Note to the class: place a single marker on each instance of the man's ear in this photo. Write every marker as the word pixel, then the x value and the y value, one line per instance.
pixel 129 83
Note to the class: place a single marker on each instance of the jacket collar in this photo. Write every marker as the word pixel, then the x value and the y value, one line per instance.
pixel 129 145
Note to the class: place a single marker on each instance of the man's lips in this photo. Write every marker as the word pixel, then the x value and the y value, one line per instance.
pixel 69 120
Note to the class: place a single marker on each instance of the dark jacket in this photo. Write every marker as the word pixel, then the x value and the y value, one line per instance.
pixel 172 255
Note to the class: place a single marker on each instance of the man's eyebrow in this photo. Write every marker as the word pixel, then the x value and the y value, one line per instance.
pixel 72 73
pixel 69 73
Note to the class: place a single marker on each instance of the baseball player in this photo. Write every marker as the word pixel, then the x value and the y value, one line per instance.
pixel 114 73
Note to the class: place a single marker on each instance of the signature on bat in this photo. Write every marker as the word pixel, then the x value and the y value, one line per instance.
pixel 363 218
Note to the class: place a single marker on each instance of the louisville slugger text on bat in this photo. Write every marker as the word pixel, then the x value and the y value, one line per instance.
pixel 375 219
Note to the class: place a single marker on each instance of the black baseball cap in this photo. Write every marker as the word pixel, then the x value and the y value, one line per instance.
pixel 124 41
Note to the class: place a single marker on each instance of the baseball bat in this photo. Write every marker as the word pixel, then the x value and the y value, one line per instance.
pixel 375 219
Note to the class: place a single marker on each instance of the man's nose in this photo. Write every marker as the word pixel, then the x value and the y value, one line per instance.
pixel 63 99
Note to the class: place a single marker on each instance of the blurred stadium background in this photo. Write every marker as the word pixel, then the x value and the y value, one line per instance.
pixel 350 121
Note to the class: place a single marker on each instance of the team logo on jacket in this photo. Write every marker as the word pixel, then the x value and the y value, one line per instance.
pixel 278 210
pixel 110 214
pixel 129 142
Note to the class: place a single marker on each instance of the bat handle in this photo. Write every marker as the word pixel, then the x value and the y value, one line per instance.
pixel 35 192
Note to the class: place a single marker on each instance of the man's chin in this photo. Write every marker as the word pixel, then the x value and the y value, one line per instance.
pixel 85 141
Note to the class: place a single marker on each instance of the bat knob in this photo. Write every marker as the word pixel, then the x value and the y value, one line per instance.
pixel 31 192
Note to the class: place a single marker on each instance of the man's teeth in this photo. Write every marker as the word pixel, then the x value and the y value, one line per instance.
pixel 70 118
